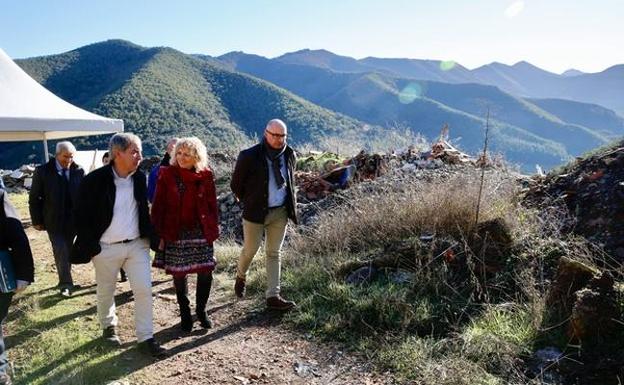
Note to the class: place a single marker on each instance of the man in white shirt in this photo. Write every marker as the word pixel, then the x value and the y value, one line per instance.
pixel 114 229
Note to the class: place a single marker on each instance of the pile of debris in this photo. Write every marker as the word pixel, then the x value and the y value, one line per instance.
pixel 19 179
pixel 591 191
pixel 230 217
pixel 320 175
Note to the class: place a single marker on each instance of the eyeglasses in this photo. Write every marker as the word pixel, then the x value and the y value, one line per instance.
pixel 276 135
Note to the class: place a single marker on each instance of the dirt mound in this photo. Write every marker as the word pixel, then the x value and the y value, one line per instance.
pixel 591 190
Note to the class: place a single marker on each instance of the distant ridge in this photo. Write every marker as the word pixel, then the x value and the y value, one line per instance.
pixel 161 92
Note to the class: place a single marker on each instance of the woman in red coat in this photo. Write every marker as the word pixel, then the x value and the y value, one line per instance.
pixel 184 215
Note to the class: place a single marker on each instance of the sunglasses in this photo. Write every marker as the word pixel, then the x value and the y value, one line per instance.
pixel 276 135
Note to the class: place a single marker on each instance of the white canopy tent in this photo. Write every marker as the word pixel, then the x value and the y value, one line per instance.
pixel 28 111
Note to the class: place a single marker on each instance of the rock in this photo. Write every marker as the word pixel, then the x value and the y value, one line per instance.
pixel 303 369
pixel 166 297
pixel 594 312
pixel 571 276
pixel 545 364
pixel 409 167
pixel 591 188
pixel 491 243
pixel 400 277
pixel 254 376
pixel 243 380
pixel 363 275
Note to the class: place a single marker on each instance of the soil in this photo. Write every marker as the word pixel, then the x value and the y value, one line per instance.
pixel 246 345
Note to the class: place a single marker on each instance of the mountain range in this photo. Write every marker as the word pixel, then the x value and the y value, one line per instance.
pixel 161 92
pixel 526 130
pixel 522 79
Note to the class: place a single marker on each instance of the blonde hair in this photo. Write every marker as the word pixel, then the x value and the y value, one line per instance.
pixel 197 149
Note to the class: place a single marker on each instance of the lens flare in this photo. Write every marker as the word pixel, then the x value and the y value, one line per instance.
pixel 447 65
pixel 410 93
pixel 514 9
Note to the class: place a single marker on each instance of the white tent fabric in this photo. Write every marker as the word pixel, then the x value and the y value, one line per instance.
pixel 89 160
pixel 28 111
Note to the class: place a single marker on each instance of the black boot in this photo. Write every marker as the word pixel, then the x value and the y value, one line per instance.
pixel 122 276
pixel 204 283
pixel 186 322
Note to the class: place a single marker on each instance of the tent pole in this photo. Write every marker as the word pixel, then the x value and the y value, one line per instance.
pixel 45 149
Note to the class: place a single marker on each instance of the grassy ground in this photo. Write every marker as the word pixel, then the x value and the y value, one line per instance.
pixel 20 201
pixel 432 328
pixel 53 340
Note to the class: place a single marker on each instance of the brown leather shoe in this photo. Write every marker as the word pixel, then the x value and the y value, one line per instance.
pixel 239 287
pixel 279 303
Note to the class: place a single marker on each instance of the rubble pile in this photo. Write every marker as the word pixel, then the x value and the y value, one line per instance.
pixel 230 217
pixel 319 176
pixel 591 191
pixel 147 164
pixel 19 179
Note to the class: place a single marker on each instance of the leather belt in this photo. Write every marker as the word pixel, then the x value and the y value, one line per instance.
pixel 124 241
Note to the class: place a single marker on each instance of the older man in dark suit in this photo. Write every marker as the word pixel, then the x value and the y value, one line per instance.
pixel 52 196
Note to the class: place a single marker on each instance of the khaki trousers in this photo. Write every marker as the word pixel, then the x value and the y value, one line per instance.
pixel 134 258
pixel 274 229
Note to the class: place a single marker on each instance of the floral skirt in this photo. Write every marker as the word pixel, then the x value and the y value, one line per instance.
pixel 191 253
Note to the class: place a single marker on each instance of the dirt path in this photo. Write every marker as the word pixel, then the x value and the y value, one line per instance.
pixel 247 344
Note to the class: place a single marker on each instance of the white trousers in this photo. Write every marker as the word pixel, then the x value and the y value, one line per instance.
pixel 134 258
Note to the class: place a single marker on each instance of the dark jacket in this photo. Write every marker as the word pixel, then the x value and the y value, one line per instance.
pixel 47 199
pixel 152 178
pixel 250 183
pixel 171 209
pixel 13 238
pixel 93 211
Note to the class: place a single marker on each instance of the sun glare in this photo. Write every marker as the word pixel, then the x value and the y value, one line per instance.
pixel 447 65
pixel 514 9
pixel 410 93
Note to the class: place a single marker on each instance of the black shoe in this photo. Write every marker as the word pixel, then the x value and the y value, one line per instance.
pixel 122 276
pixel 110 336
pixel 186 321
pixel 279 303
pixel 239 287
pixel 151 347
pixel 204 321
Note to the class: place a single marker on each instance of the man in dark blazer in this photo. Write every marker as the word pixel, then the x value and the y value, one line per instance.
pixel 263 181
pixel 52 196
pixel 113 232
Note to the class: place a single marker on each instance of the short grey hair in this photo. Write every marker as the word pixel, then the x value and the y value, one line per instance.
pixel 276 122
pixel 65 146
pixel 121 142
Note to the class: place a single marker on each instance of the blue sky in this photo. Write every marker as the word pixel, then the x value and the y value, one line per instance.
pixel 553 34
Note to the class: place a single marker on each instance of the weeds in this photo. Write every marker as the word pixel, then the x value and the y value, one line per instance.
pixel 447 324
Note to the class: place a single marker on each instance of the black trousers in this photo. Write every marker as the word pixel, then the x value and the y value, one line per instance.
pixel 5 302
